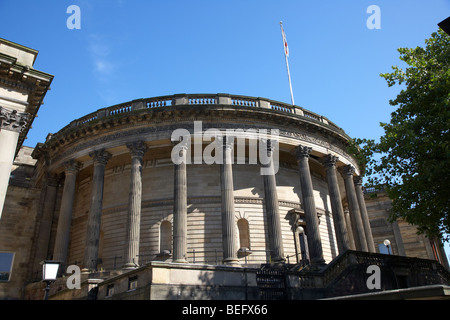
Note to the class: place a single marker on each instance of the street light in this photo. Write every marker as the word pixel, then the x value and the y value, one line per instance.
pixel 387 243
pixel 49 274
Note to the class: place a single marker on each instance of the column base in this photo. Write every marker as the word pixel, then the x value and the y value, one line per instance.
pixel 232 262
pixel 85 271
pixel 319 263
pixel 180 261
pixel 130 266
pixel 278 262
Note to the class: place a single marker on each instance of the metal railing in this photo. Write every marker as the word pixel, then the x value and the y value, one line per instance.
pixel 419 271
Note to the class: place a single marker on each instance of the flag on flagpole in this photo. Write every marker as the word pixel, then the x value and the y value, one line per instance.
pixel 286 48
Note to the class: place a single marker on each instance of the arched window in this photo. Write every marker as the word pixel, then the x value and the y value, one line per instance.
pixel 165 234
pixel 244 234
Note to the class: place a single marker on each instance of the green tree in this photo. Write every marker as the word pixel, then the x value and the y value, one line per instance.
pixel 412 158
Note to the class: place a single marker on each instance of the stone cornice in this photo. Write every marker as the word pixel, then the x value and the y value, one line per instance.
pixel 116 126
pixel 121 137
pixel 24 78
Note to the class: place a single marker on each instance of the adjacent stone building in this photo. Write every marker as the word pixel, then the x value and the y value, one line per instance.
pixel 195 196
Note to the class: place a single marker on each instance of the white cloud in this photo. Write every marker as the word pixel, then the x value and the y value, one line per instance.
pixel 100 50
pixel 103 67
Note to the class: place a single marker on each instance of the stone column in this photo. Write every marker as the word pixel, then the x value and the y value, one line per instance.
pixel 50 190
pixel 309 206
pixel 336 203
pixel 227 188
pixel 180 208
pixel 348 224
pixel 272 210
pixel 11 124
pixel 65 213
pixel 398 238
pixel 357 224
pixel 100 157
pixel 364 215
pixel 137 150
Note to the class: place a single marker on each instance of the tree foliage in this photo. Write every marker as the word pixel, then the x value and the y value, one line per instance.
pixel 412 158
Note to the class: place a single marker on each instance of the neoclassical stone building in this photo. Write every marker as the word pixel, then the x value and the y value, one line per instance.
pixel 194 196
pixel 106 194
pixel 121 199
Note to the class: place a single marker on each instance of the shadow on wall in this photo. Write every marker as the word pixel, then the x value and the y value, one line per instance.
pixel 216 284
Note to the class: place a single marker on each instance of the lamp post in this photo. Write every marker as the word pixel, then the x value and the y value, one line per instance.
pixel 49 274
pixel 387 243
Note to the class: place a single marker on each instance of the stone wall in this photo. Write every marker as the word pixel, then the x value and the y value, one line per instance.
pixel 17 228
pixel 204 212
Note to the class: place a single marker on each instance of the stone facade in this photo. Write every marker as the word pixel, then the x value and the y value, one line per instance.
pixel 104 194
pixel 405 241
pixel 22 90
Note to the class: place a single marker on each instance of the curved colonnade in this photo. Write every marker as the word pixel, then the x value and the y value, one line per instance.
pixel 120 199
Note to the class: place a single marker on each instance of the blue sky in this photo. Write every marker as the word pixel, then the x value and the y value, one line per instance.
pixel 127 50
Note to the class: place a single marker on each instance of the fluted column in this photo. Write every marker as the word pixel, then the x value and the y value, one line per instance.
pixel 348 224
pixel 137 150
pixel 357 224
pixel 11 124
pixel 50 190
pixel 100 157
pixel 272 210
pixel 309 206
pixel 226 184
pixel 65 213
pixel 336 203
pixel 180 208
pixel 364 214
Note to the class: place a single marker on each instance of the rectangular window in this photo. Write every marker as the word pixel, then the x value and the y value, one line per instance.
pixel 110 290
pixel 132 283
pixel 6 261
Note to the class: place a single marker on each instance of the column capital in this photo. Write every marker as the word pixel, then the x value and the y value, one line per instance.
pixel 357 180
pixel 329 160
pixel 347 170
pixel 53 179
pixel 72 167
pixel 100 156
pixel 12 120
pixel 301 152
pixel 269 144
pixel 137 148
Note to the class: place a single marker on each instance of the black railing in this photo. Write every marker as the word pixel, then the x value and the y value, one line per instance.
pixel 349 272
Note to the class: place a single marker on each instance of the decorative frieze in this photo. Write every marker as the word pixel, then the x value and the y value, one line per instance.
pixel 130 133
pixel 12 120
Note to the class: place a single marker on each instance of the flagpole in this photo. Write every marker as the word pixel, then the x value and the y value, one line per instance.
pixel 289 77
pixel 287 63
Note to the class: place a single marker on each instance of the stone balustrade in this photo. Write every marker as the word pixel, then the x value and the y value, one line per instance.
pixel 202 100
